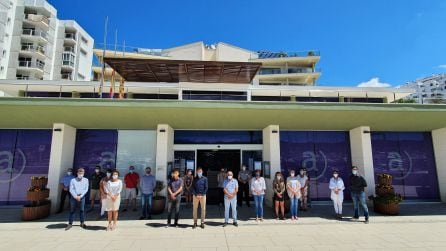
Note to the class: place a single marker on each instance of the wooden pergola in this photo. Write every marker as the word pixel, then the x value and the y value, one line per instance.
pixel 174 71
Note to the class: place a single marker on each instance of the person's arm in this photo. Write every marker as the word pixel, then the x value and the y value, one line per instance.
pixel 192 188
pixel 263 185
pixel 119 188
pixel 73 189
pixel 342 184
pixel 85 189
pixel 239 177
pixel 332 184
pixel 235 190
pixel 206 185
pixel 364 182
pixel 253 189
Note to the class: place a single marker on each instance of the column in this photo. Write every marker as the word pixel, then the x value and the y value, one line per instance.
pixel 271 153
pixel 61 158
pixel 439 144
pixel 164 152
pixel 361 153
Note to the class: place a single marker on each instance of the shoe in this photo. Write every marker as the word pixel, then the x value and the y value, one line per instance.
pixel 225 224
pixel 261 219
pixel 175 225
pixel 194 226
pixel 83 226
pixel 366 220
pixel 167 225
pixel 355 218
pixel 142 218
pixel 235 224
pixel 68 227
pixel 202 225
pixel 277 218
pixel 257 219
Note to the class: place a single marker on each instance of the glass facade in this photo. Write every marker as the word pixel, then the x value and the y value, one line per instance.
pixel 23 154
pixel 217 137
pixel 320 152
pixel 409 158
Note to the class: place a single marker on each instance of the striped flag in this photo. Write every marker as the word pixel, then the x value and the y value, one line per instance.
pixel 112 84
pixel 121 88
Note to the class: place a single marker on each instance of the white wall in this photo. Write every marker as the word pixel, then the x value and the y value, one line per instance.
pixel 164 152
pixel 187 52
pixel 227 52
pixel 439 143
pixel 61 158
pixel 271 153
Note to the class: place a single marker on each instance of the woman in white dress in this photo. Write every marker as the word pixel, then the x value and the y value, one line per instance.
pixel 337 193
pixel 113 191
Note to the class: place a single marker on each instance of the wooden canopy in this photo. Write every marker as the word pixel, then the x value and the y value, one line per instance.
pixel 173 71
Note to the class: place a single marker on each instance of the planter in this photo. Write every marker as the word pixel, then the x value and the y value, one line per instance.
pixel 37 195
pixel 387 209
pixel 384 190
pixel 39 182
pixel 35 212
pixel 158 204
pixel 384 180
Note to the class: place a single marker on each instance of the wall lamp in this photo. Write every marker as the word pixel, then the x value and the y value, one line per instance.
pixel 162 130
pixel 274 131
pixel 365 131
pixel 57 129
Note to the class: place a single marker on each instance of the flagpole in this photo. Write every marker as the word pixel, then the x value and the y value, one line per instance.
pixel 103 58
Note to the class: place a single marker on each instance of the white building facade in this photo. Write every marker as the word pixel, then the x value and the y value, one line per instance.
pixel 429 90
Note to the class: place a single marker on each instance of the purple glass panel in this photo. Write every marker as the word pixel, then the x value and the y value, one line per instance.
pixel 95 147
pixel 320 153
pixel 7 172
pixel 408 156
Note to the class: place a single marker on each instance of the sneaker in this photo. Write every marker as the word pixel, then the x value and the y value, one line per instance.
pixel 202 225
pixel 83 226
pixel 194 226
pixel 235 224
pixel 261 219
pixel 355 218
pixel 225 224
pixel 175 225
pixel 68 227
pixel 366 220
pixel 167 225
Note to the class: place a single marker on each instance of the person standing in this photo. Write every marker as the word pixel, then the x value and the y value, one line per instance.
pixel 174 190
pixel 336 186
pixel 279 194
pixel 95 181
pixel 357 185
pixel 113 190
pixel 303 180
pixel 102 189
pixel 221 180
pixel 230 190
pixel 294 193
pixel 148 185
pixel 65 187
pixel 188 180
pixel 244 176
pixel 131 181
pixel 78 190
pixel 199 190
pixel 258 188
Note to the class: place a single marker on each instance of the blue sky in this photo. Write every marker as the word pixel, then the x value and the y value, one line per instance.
pixel 359 40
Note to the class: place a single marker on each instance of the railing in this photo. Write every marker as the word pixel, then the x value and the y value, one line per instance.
pixel 66 76
pixel 68 63
pixel 70 36
pixel 268 71
pixel 30 64
pixel 35 33
pixel 37 18
pixel 131 49
pixel 69 49
pixel 283 54
pixel 33 48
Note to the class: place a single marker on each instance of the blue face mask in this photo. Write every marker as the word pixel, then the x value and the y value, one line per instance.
pixel 200 175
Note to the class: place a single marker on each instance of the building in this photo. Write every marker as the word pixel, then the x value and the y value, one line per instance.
pixel 36 45
pixel 428 90
pixel 208 106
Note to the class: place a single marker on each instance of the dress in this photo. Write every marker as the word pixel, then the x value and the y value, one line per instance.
pixel 113 188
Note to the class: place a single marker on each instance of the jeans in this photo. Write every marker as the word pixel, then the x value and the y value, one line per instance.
pixel 73 206
pixel 196 202
pixel 294 206
pixel 359 197
pixel 146 202
pixel 258 199
pixel 170 203
pixel 233 204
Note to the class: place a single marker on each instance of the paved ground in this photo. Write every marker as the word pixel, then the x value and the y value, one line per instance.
pixel 419 226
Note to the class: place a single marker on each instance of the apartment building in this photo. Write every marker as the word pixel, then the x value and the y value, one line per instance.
pixel 431 89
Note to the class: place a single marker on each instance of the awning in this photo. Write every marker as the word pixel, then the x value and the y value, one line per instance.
pixel 171 71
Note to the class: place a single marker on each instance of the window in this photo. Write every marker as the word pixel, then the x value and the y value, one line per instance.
pixel 83 52
pixel 84 40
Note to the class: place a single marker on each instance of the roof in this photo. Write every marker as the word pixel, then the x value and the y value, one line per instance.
pixel 172 71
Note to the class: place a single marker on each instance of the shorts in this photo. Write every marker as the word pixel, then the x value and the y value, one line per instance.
pixel 95 194
pixel 277 198
pixel 130 193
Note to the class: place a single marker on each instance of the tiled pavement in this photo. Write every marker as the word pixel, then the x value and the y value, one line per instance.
pixel 419 226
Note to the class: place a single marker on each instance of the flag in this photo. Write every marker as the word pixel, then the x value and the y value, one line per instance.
pixel 121 88
pixel 112 84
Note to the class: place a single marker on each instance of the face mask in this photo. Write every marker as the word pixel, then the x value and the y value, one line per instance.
pixel 230 177
pixel 243 168
pixel 335 175
pixel 302 172
pixel 355 172
pixel 200 174
pixel 131 171
pixel 115 177
pixel 69 173
pixel 96 170
pixel 147 172
pixel 108 175
pixel 292 174
pixel 279 177
pixel 257 174
pixel 80 176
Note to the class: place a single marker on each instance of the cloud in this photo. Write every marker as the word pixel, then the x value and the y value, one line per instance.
pixel 442 66
pixel 374 82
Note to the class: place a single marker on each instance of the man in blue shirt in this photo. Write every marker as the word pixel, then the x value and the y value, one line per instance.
pixel 148 184
pixel 78 189
pixel 174 192
pixel 64 184
pixel 230 189
pixel 199 190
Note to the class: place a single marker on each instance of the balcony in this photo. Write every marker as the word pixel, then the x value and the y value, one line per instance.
pixel 70 38
pixel 33 49
pixel 66 76
pixel 32 65
pixel 32 33
pixel 69 49
pixel 283 54
pixel 36 19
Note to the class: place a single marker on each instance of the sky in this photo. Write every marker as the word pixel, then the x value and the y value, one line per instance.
pixel 362 42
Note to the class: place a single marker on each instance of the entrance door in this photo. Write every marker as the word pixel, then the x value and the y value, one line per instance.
pixel 211 161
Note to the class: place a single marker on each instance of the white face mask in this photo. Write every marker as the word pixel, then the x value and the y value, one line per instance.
pixel 108 175
pixel 97 170
pixel 355 172
pixel 69 173
pixel 292 174
pixel 335 175
pixel 115 177
pixel 80 176
pixel 230 177
pixel 243 168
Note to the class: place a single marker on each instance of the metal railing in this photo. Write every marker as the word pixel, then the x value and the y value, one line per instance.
pixel 34 33
pixel 70 36
pixel 284 54
pixel 69 49
pixel 33 48
pixel 68 63
pixel 30 64
pixel 37 18
pixel 131 49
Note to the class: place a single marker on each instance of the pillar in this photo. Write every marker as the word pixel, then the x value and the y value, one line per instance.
pixel 164 152
pixel 361 153
pixel 61 158
pixel 439 144
pixel 271 153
